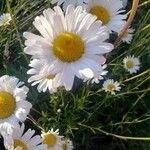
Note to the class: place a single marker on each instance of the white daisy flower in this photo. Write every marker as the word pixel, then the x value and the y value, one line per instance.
pixel 41 76
pixel 73 43
pixel 66 3
pixel 111 86
pixel 67 145
pixel 128 36
pixel 109 12
pixel 99 77
pixel 13 104
pixel 18 140
pixel 5 19
pixel 52 139
pixel 131 63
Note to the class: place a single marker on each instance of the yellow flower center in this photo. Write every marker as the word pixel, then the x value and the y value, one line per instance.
pixel 130 64
pixel 50 139
pixel 101 13
pixel 111 87
pixel 68 47
pixel 50 76
pixel 7 104
pixel 18 142
pixel 4 21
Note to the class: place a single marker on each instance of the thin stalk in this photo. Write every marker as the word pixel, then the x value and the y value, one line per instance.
pixel 17 30
pixel 35 123
pixel 115 135
pixel 139 75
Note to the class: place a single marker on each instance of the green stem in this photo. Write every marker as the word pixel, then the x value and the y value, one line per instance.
pixel 134 77
pixel 134 92
pixel 135 103
pixel 135 121
pixel 115 135
pixel 35 123
pixel 17 30
pixel 36 111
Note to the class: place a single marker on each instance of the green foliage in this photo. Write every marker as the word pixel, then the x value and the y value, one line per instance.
pixel 87 115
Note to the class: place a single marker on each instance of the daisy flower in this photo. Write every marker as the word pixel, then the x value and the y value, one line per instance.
pixel 109 12
pixel 128 36
pixel 13 104
pixel 52 139
pixel 67 145
pixel 131 64
pixel 73 43
pixel 5 19
pixel 18 140
pixel 99 77
pixel 68 2
pixel 111 86
pixel 41 76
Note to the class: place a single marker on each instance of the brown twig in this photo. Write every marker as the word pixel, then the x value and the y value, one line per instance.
pixel 128 23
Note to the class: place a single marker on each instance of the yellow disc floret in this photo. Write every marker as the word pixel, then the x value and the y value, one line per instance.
pixel 5 21
pixel 111 87
pixel 7 104
pixel 50 139
pixel 50 76
pixel 101 13
pixel 19 143
pixel 68 47
pixel 130 64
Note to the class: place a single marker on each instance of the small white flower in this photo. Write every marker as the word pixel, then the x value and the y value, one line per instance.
pixel 66 3
pixel 52 139
pixel 72 43
pixel 67 145
pixel 5 19
pixel 128 36
pixel 13 104
pixel 58 110
pixel 131 63
pixel 99 76
pixel 111 86
pixel 109 12
pixel 41 76
pixel 18 140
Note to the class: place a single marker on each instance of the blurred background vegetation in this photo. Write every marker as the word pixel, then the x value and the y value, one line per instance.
pixel 91 118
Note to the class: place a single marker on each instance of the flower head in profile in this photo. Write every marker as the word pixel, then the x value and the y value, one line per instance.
pixel 13 104
pixel 18 140
pixel 5 19
pixel 67 144
pixel 99 77
pixel 128 36
pixel 52 139
pixel 72 44
pixel 109 12
pixel 111 86
pixel 131 64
